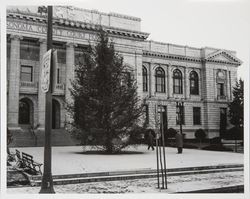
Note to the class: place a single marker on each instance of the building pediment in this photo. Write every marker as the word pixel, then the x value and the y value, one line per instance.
pixel 222 56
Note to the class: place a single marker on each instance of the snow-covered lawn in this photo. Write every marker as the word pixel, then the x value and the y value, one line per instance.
pixel 70 160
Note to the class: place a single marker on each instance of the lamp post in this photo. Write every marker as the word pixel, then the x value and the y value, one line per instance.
pixel 179 106
pixel 163 145
pixel 47 181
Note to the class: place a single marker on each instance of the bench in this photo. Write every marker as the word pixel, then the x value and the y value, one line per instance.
pixel 19 159
pixel 28 162
pixel 231 142
pixel 235 145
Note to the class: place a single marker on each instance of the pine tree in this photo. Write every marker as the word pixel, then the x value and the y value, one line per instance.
pixel 105 104
pixel 236 107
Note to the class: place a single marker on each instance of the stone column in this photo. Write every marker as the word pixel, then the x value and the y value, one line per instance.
pixel 150 79
pixel 14 82
pixel 70 70
pixel 186 85
pixel 168 81
pixel 41 95
pixel 138 72
pixel 228 84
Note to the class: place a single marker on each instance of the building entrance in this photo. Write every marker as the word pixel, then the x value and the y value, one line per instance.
pixel 25 112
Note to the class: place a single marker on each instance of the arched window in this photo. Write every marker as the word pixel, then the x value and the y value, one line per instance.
pixel 177 78
pixel 194 83
pixel 145 78
pixel 159 80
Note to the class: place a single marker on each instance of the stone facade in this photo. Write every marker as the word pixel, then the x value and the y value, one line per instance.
pixel 216 69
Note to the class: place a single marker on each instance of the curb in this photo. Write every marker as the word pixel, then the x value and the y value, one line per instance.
pixel 140 171
pixel 136 174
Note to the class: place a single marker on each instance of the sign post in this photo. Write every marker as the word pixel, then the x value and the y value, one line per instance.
pixel 47 75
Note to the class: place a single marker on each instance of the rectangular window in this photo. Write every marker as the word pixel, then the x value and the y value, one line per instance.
pixel 220 89
pixel 160 84
pixel 180 115
pixel 58 76
pixel 194 90
pixel 61 56
pixel 29 51
pixel 197 115
pixel 145 85
pixel 177 86
pixel 26 74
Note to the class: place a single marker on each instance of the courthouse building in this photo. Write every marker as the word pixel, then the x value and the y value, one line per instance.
pixel 201 78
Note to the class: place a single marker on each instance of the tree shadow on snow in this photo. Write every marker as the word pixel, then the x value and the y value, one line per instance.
pixel 96 152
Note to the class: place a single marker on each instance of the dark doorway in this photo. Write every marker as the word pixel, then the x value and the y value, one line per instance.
pixel 25 111
pixel 223 121
pixel 55 114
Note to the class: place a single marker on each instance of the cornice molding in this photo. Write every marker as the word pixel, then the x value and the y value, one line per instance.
pixel 186 58
pixel 210 58
pixel 79 25
pixel 170 56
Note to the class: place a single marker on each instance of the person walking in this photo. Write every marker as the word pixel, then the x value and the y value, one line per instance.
pixel 150 140
pixel 179 141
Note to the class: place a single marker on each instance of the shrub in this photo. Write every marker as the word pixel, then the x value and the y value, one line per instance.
pixel 200 134
pixel 137 135
pixel 216 147
pixel 170 133
pixel 215 140
pixel 234 133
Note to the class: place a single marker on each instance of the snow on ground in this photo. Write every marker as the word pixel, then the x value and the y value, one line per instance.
pixel 69 160
pixel 175 184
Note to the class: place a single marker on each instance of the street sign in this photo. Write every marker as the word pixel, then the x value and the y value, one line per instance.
pixel 54 69
pixel 45 76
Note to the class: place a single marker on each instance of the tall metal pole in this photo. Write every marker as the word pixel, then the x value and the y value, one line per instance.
pixel 157 146
pixel 160 154
pixel 163 145
pixel 47 181
pixel 157 160
pixel 162 174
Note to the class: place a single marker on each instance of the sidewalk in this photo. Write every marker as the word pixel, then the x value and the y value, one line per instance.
pixel 72 160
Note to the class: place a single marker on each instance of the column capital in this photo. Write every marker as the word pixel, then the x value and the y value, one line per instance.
pixel 42 40
pixel 16 37
pixel 71 44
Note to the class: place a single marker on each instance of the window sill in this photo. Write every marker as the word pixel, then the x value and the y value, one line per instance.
pixel 194 94
pixel 221 97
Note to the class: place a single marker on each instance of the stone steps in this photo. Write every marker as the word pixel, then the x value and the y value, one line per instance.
pixel 59 137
